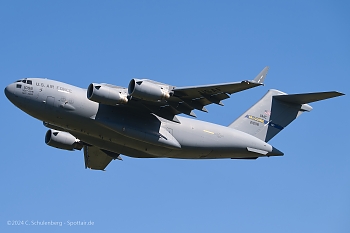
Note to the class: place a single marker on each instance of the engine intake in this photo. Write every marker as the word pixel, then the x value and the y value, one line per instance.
pixel 62 140
pixel 104 94
pixel 146 90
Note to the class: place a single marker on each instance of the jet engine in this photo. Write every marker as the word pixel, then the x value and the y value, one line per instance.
pixel 62 140
pixel 148 90
pixel 105 94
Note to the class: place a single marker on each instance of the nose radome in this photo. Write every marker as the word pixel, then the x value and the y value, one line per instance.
pixel 9 91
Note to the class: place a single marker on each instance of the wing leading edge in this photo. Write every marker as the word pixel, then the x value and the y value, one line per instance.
pixel 186 99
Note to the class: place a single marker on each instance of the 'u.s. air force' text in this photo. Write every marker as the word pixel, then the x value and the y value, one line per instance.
pixel 59 88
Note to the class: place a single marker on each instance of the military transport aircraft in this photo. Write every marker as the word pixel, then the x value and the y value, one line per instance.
pixel 142 120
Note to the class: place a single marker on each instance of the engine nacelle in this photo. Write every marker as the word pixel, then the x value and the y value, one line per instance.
pixel 62 140
pixel 144 89
pixel 104 94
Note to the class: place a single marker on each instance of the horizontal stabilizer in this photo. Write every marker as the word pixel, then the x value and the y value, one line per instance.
pixel 275 111
pixel 307 97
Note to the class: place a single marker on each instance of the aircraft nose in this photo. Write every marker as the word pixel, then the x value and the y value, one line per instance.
pixel 9 91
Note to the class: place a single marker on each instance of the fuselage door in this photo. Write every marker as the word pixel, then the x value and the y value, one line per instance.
pixel 50 103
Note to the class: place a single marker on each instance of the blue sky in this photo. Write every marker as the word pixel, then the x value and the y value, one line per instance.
pixel 306 45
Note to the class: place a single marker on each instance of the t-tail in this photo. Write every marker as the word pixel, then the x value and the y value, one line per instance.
pixel 275 111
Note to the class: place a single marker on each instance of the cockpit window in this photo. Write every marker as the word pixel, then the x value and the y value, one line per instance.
pixel 30 82
pixel 18 86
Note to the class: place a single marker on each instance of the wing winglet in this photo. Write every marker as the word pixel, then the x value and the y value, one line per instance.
pixel 261 76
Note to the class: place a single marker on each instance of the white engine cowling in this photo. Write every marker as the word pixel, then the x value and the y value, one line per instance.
pixel 144 89
pixel 104 94
pixel 62 140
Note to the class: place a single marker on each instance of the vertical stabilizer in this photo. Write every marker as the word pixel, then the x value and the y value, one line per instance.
pixel 275 111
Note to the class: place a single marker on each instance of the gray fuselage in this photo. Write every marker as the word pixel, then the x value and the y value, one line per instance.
pixel 124 129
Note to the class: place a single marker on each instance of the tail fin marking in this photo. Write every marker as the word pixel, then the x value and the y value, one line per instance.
pixel 275 111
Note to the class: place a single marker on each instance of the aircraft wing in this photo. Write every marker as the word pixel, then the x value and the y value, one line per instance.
pixel 186 99
pixel 98 159
pixel 212 92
